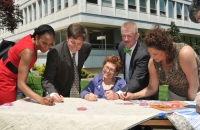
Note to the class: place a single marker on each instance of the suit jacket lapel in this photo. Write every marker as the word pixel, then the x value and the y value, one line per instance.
pixel 131 67
pixel 67 57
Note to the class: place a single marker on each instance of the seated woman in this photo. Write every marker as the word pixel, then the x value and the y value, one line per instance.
pixel 173 64
pixel 105 81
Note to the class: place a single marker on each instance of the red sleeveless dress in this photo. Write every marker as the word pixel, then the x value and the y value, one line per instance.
pixel 8 79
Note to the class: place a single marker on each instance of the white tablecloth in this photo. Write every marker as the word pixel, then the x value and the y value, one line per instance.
pixel 101 115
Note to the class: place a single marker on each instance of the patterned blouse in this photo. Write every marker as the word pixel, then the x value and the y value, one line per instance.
pixel 175 76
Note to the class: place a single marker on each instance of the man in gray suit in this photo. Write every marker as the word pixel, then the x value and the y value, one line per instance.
pixel 135 58
pixel 60 72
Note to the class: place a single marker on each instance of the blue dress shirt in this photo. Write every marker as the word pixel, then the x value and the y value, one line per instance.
pixel 96 86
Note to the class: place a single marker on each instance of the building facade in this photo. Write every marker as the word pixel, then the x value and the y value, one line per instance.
pixel 103 18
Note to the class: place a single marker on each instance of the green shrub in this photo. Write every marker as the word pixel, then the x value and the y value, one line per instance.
pixel 39 68
pixel 91 75
pixel 35 84
pixel 84 73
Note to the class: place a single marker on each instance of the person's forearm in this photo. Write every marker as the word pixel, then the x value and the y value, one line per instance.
pixel 192 93
pixel 28 92
pixel 146 92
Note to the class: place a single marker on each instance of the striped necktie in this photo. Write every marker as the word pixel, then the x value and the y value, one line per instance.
pixel 75 86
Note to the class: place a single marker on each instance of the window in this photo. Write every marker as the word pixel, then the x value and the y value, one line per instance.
pixel 46 7
pixel 120 4
pixel 34 11
pixel 143 6
pixel 63 35
pixel 75 2
pixel 153 9
pixel 92 1
pixel 25 14
pixel 171 9
pixel 40 8
pixel 52 6
pixel 57 37
pixel 58 5
pixel 107 3
pixel 66 3
pixel 132 4
pixel 30 13
pixel 162 8
pixel 179 8
pixel 186 12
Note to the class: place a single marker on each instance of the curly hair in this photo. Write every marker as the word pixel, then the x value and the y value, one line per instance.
pixel 194 8
pixel 159 39
pixel 114 60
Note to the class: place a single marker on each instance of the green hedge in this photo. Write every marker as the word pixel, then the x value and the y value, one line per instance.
pixel 35 84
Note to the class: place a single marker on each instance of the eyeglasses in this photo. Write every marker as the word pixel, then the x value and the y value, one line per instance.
pixel 109 69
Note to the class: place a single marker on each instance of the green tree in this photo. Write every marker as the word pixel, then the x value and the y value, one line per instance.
pixel 174 31
pixel 10 15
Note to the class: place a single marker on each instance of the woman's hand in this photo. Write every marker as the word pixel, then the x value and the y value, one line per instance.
pixel 49 101
pixel 91 97
pixel 126 96
pixel 198 106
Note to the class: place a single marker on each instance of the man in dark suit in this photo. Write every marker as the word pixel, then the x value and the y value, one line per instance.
pixel 61 68
pixel 135 58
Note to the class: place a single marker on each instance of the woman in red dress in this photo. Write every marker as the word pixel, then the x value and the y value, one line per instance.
pixel 16 63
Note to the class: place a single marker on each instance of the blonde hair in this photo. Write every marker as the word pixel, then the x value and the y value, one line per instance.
pixel 130 25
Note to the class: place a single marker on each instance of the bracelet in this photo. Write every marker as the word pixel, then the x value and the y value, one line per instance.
pixel 118 96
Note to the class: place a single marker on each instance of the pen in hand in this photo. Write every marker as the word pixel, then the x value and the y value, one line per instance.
pixel 90 91
pixel 126 92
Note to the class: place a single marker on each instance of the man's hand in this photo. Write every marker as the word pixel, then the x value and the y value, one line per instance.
pixel 91 97
pixel 110 95
pixel 57 97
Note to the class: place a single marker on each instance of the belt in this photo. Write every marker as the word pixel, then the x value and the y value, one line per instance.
pixel 9 64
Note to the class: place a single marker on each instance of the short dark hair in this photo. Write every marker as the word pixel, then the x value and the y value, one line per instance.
pixel 76 30
pixel 43 29
pixel 194 8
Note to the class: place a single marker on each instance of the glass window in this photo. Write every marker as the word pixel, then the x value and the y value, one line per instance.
pixel 52 6
pixel 179 8
pixel 63 35
pixel 92 1
pixel 66 3
pixel 40 8
pixel 153 8
pixel 58 5
pixel 75 2
pixel 30 13
pixel 34 11
pixel 162 7
pixel 143 6
pixel 25 14
pixel 57 37
pixel 132 4
pixel 107 3
pixel 186 12
pixel 171 9
pixel 46 7
pixel 120 4
pixel 109 33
